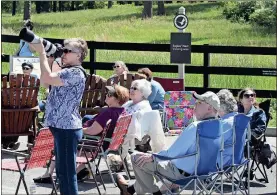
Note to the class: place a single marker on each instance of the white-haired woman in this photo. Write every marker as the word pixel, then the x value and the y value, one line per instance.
pixel 139 92
pixel 228 109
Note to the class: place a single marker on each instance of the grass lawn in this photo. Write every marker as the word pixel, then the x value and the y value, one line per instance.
pixel 122 23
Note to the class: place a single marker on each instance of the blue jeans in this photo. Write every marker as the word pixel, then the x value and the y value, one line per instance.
pixel 66 141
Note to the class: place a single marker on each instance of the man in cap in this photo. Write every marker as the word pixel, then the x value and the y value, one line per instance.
pixel 27 68
pixel 207 106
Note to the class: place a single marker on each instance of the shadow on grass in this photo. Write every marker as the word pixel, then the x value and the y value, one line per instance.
pixel 262 31
pixel 190 8
pixel 120 17
pixel 37 27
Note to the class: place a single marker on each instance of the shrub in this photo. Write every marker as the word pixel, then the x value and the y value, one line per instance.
pixel 239 11
pixel 264 17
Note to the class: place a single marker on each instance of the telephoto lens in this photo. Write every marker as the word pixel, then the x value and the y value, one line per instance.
pixel 30 37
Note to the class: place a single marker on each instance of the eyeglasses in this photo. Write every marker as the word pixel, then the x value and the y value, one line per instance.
pixel 116 66
pixel 66 51
pixel 109 95
pixel 134 88
pixel 249 95
pixel 25 68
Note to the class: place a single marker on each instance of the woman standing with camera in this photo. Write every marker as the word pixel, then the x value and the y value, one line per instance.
pixel 62 108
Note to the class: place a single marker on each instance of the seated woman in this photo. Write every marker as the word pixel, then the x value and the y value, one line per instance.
pixel 119 69
pixel 116 96
pixel 248 106
pixel 156 98
pixel 139 92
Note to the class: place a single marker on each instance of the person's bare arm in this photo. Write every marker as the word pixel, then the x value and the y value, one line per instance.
pixel 94 129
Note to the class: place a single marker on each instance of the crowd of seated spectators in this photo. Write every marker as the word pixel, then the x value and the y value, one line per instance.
pixel 146 95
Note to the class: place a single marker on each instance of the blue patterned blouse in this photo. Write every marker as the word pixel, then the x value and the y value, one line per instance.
pixel 62 106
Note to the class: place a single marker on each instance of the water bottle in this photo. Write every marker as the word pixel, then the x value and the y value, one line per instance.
pixel 33 188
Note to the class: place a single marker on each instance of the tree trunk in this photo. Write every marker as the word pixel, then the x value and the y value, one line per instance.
pixel 14 8
pixel 72 5
pixel 61 6
pixel 77 7
pixel 54 6
pixel 91 4
pixel 110 4
pixel 147 10
pixel 38 7
pixel 27 10
pixel 45 6
pixel 161 10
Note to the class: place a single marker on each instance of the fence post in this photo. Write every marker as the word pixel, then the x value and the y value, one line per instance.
pixel 206 65
pixel 92 56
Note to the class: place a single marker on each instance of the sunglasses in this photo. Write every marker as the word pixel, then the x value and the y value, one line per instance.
pixel 249 95
pixel 25 68
pixel 116 67
pixel 66 51
pixel 134 88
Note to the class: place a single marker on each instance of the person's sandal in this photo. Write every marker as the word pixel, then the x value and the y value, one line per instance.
pixel 42 180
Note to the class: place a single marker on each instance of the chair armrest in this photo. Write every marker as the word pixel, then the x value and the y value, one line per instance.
pixel 97 138
pixel 88 141
pixel 172 158
pixel 34 109
pixel 89 147
pixel 13 153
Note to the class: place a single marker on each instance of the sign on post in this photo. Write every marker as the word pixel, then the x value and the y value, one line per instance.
pixel 180 48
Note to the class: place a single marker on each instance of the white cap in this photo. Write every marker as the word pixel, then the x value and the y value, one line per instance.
pixel 210 98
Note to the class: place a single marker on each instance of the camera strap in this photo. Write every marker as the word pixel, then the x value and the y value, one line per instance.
pixel 79 67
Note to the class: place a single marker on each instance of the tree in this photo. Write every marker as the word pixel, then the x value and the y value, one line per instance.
pixel 45 6
pixel 14 8
pixel 110 4
pixel 161 10
pixel 27 10
pixel 61 6
pixel 54 6
pixel 38 7
pixel 72 5
pixel 147 10
pixel 91 4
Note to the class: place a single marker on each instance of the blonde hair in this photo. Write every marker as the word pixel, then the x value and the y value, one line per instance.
pixel 79 44
pixel 122 64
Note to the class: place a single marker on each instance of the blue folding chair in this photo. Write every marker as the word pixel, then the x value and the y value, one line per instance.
pixel 208 144
pixel 241 136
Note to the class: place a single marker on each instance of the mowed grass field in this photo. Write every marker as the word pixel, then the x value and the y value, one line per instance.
pixel 123 23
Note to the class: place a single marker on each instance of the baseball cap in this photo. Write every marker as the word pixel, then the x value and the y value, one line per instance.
pixel 27 64
pixel 110 89
pixel 210 98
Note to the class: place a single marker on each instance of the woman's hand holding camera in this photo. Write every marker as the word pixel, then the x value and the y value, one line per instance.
pixel 38 47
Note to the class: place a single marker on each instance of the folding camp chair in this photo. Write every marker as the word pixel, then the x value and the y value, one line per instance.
pixel 178 109
pixel 41 153
pixel 240 137
pixel 208 143
pixel 257 143
pixel 117 140
pixel 91 149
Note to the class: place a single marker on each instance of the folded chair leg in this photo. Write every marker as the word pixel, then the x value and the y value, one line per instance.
pixel 25 185
pixel 90 169
pixel 110 171
pixel 97 170
pixel 54 188
pixel 18 185
pixel 96 182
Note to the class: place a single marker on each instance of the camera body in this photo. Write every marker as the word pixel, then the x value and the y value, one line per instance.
pixel 53 50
